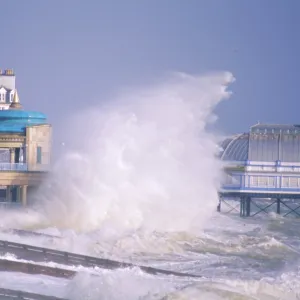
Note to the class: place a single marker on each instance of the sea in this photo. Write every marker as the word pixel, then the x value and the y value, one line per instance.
pixel 237 258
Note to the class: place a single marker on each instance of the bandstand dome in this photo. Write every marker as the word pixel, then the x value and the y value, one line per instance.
pixel 264 142
pixel 15 120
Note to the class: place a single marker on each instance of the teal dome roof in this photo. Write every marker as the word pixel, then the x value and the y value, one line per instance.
pixel 16 121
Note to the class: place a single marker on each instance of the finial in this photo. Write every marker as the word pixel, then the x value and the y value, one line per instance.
pixel 16 102
pixel 16 97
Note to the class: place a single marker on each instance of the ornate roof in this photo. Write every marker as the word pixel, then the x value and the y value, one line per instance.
pixel 264 142
pixel 15 120
pixel 236 148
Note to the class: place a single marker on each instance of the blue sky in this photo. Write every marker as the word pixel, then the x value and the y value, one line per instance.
pixel 68 53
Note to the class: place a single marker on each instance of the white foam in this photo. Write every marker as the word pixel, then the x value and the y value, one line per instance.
pixel 141 161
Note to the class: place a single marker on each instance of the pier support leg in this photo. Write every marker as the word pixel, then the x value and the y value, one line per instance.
pixel 8 194
pixel 18 194
pixel 242 207
pixel 245 208
pixel 248 206
pixel 24 195
pixel 219 205
pixel 278 206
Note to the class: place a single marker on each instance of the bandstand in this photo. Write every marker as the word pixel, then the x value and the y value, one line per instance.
pixel 262 171
pixel 25 139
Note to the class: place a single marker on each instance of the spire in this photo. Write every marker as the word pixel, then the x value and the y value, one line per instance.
pixel 16 97
pixel 16 102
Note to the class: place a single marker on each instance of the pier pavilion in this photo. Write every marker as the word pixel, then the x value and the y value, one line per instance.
pixel 263 164
pixel 25 138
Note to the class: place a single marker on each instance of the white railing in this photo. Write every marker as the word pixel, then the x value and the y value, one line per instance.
pixel 262 166
pixel 13 167
pixel 233 163
pixel 262 182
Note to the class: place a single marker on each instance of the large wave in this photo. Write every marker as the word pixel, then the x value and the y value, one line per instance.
pixel 142 161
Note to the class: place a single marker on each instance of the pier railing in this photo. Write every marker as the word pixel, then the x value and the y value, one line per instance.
pixel 13 167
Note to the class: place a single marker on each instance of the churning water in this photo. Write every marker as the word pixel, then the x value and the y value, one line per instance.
pixel 138 182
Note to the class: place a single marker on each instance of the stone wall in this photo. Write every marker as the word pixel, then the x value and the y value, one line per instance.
pixel 38 136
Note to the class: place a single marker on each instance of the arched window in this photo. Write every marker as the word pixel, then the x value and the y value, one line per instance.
pixel 2 94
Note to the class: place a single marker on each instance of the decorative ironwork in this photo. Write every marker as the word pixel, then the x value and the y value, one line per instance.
pixel 232 207
pixel 13 138
pixel 262 209
pixel 291 210
pixel 246 203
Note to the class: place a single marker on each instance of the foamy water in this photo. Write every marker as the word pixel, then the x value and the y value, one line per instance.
pixel 138 182
pixel 238 259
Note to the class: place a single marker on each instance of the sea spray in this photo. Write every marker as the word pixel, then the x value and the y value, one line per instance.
pixel 143 161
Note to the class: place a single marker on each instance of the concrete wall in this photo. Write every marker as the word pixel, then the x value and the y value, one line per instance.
pixel 38 136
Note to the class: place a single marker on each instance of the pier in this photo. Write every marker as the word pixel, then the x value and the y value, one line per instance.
pixel 262 171
pixel 25 142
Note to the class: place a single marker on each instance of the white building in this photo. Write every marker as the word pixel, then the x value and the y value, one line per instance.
pixel 7 88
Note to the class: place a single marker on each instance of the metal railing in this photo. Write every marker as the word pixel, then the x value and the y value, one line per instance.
pixel 33 269
pixel 16 294
pixel 13 167
pixel 39 254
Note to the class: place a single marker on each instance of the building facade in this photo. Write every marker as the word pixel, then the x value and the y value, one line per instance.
pixel 25 148
pixel 7 88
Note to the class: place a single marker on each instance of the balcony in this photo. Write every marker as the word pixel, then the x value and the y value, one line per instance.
pixel 19 167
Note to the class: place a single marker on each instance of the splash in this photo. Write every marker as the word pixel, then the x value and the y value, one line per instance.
pixel 144 161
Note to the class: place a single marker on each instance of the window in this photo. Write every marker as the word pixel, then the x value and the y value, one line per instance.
pixel 39 155
pixel 293 182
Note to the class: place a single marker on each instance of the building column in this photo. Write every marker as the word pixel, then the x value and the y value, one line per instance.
pixel 12 155
pixel 24 195
pixel 25 153
pixel 8 193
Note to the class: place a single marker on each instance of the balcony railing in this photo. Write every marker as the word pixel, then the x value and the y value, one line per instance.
pixel 13 167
